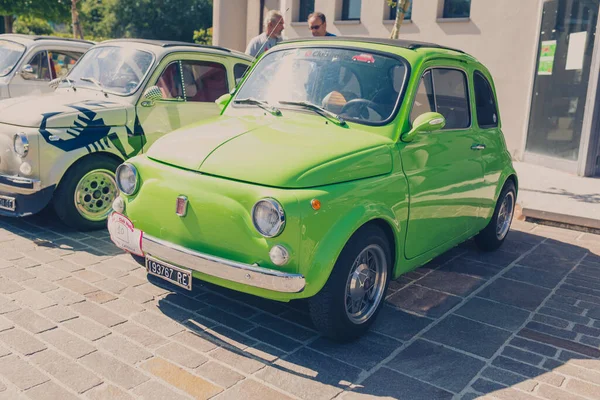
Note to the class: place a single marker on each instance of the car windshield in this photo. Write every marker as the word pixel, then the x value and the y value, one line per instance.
pixel 113 69
pixel 356 85
pixel 10 52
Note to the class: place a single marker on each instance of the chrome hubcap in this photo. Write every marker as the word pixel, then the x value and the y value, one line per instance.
pixel 95 193
pixel 505 215
pixel 366 283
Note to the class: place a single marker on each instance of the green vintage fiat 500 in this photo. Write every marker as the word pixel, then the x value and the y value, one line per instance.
pixel 337 165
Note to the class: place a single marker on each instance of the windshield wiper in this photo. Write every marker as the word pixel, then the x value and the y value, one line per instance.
pixel 316 108
pixel 95 82
pixel 55 82
pixel 262 104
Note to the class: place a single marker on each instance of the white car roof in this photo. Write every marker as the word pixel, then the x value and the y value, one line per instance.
pixel 28 40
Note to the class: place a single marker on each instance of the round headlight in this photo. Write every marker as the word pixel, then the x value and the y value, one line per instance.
pixel 268 217
pixel 127 179
pixel 21 144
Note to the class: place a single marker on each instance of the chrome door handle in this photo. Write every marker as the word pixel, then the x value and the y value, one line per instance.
pixel 478 147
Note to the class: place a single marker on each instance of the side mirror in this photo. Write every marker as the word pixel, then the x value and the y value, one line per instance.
pixel 151 95
pixel 27 72
pixel 223 100
pixel 428 122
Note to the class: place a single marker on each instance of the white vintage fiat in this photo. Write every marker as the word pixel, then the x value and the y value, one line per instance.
pixel 62 148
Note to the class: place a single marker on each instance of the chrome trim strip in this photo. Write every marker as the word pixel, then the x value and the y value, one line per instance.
pixel 20 182
pixel 252 275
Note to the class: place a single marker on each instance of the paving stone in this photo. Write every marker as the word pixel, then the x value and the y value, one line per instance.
pixel 281 326
pixel 590 341
pixel 399 324
pixel 594 312
pixel 451 282
pixel 152 390
pixel 66 266
pixel 77 285
pixel 58 313
pixel 309 375
pixel 100 297
pixel 66 371
pixel 551 364
pixel 26 262
pixel 158 323
pixel 67 343
pixel 98 313
pixel 49 273
pixel 86 328
pixel 528 385
pixel 66 297
pixel 111 285
pixel 20 373
pixel 365 353
pixel 114 370
pixel 50 391
pixel 521 355
pixel 85 258
pixel 585 389
pixel 40 285
pixel 181 355
pixel 550 330
pixel 560 250
pixel 89 276
pixel 587 330
pixel 32 299
pixel 21 341
pixel 434 363
pixel 466 266
pixel 8 287
pixel 582 290
pixel 423 301
pixel 584 282
pixel 547 263
pixel 514 293
pixel 219 374
pixel 467 335
pixel 169 310
pixel 517 367
pixel 274 339
pixel 252 390
pixel 122 348
pixel 552 321
pixel 565 315
pixel 124 307
pixel 16 274
pixel 564 307
pixel 502 376
pixel 239 359
pixel 8 305
pixel 575 371
pixel 485 386
pixel 43 257
pixel 136 295
pixel 107 391
pixel 551 392
pixel 386 383
pixel 185 302
pixel 577 295
pixel 30 320
pixel 10 255
pixel 551 378
pixel 180 378
pixel 548 279
pixel 227 319
pixel 532 346
pixel 140 334
pixel 492 313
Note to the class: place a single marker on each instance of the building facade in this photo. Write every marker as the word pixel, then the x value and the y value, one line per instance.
pixel 544 56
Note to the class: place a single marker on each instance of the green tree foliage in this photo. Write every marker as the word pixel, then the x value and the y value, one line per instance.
pixel 97 17
pixel 53 10
pixel 32 26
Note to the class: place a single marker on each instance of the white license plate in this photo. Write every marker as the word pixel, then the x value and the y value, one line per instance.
pixel 124 235
pixel 178 276
pixel 7 203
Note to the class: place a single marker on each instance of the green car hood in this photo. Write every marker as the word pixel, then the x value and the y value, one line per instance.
pixel 280 152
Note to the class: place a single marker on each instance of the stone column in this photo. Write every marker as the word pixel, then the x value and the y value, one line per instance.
pixel 229 24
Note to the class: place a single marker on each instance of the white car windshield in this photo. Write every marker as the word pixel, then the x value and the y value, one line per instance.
pixel 356 85
pixel 10 52
pixel 113 69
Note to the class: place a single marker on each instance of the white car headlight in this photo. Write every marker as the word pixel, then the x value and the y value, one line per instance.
pixel 268 217
pixel 21 144
pixel 127 178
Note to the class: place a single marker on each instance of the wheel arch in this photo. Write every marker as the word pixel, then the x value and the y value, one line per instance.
pixel 85 158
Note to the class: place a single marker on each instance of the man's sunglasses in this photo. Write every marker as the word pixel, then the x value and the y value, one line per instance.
pixel 315 27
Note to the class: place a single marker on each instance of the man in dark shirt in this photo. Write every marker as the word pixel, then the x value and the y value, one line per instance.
pixel 317 23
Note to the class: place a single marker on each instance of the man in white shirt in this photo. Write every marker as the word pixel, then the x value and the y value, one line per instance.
pixel 273 25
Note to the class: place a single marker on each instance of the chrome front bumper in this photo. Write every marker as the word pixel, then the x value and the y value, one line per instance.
pixel 20 183
pixel 246 274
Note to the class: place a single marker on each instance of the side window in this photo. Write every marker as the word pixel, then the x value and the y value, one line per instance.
pixel 424 99
pixel 487 113
pixel 39 63
pixel 451 98
pixel 61 62
pixel 170 83
pixel 239 70
pixel 204 81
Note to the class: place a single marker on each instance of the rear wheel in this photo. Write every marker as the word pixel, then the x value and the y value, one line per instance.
pixel 84 197
pixel 494 234
pixel 351 299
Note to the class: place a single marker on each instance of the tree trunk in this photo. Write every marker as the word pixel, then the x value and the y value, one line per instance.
pixel 8 23
pixel 77 29
pixel 401 9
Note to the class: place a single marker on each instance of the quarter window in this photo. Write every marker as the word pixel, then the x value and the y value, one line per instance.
pixel 170 83
pixel 239 70
pixel 39 63
pixel 487 112
pixel 457 8
pixel 351 10
pixel 444 91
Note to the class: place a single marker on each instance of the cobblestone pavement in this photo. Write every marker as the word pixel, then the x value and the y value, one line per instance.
pixel 79 319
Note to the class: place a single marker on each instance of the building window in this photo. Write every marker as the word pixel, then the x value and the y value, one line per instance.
pixel 457 8
pixel 306 7
pixel 351 10
pixel 407 15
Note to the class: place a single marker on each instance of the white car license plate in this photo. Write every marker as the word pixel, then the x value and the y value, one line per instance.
pixel 178 276
pixel 7 203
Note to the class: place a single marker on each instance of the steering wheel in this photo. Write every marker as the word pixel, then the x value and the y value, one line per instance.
pixel 360 108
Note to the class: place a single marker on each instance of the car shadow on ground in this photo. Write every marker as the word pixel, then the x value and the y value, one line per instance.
pixel 524 318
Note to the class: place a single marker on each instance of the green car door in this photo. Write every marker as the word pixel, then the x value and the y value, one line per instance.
pixel 444 168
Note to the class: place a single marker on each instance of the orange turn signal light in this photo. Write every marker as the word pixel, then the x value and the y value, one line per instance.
pixel 315 204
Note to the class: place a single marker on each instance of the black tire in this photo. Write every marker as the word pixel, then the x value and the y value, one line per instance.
pixel 64 196
pixel 488 239
pixel 328 307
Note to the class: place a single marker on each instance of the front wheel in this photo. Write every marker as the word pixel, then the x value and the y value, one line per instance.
pixel 83 199
pixel 494 234
pixel 350 300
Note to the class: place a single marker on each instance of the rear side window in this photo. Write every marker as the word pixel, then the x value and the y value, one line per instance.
pixel 444 91
pixel 239 70
pixel 487 112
